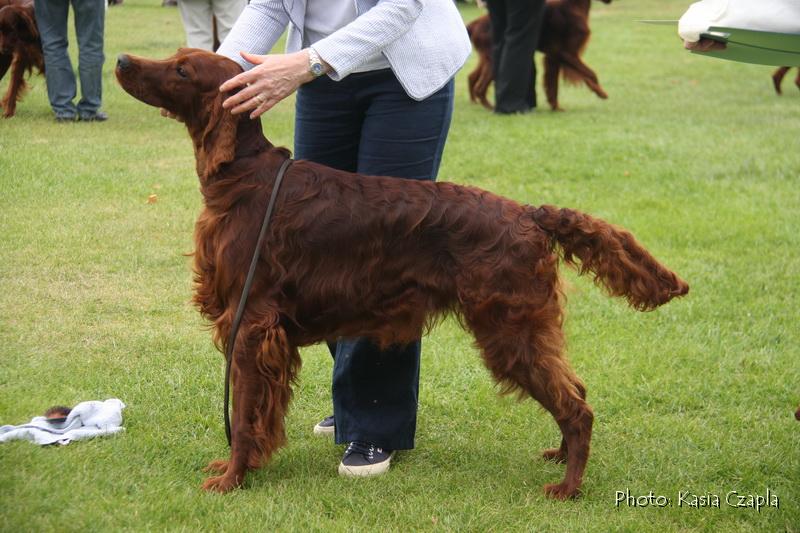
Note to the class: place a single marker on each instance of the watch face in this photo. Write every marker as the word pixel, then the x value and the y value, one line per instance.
pixel 316 69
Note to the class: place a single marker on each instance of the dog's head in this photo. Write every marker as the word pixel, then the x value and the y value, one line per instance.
pixel 17 26
pixel 187 85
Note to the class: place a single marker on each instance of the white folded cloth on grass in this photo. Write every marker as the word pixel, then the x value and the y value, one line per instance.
pixel 780 16
pixel 85 420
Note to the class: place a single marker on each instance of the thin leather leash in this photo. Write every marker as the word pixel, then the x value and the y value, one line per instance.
pixel 246 292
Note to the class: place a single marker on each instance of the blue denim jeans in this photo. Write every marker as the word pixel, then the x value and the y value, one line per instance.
pixel 51 17
pixel 366 123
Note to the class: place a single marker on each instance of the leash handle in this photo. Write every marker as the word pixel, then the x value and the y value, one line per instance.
pixel 246 292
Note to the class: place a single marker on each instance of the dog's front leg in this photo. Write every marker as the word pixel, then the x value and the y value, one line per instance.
pixel 263 372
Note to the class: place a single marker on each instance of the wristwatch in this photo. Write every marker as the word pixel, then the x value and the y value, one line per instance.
pixel 315 66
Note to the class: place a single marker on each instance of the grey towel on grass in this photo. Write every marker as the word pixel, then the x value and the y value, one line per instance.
pixel 86 420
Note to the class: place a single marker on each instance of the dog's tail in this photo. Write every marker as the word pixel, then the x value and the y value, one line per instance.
pixel 570 75
pixel 611 253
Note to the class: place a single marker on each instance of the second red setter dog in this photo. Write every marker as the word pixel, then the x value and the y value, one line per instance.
pixel 20 49
pixel 565 32
pixel 377 257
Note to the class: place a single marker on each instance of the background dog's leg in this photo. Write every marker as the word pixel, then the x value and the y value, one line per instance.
pixel 797 79
pixel 588 75
pixel 484 81
pixel 263 372
pixel 777 78
pixel 523 349
pixel 472 79
pixel 552 67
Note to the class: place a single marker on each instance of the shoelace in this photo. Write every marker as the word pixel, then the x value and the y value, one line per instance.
pixel 363 448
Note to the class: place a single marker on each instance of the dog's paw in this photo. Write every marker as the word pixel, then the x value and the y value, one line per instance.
pixel 561 491
pixel 557 455
pixel 221 484
pixel 220 466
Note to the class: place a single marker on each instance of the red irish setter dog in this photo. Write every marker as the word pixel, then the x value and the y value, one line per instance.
pixel 565 32
pixel 20 49
pixel 377 257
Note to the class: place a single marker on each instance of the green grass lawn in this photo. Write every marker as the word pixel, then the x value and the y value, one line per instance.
pixel 698 157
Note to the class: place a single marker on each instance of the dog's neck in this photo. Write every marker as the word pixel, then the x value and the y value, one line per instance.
pixel 250 139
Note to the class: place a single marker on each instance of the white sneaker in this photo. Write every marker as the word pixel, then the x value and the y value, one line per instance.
pixel 365 459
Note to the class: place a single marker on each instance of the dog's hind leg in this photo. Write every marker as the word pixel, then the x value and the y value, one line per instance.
pixel 483 82
pixel 472 79
pixel 552 67
pixel 588 75
pixel 16 87
pixel 523 348
pixel 263 373
pixel 5 64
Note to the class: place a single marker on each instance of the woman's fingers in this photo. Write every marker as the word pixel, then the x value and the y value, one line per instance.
pixel 235 101
pixel 272 79
pixel 239 80
pixel 704 45
pixel 265 106
pixel 252 58
pixel 245 77
pixel 247 105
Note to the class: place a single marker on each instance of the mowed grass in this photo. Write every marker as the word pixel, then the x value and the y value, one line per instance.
pixel 696 156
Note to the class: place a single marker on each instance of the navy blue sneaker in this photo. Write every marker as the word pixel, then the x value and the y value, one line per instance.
pixel 365 459
pixel 325 427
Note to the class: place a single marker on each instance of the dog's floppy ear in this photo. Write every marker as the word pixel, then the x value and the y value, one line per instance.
pixel 217 143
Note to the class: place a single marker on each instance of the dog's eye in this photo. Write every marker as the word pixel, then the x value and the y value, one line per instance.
pixel 182 72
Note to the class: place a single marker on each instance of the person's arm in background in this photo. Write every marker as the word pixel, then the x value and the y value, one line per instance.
pixel 256 31
pixel 276 76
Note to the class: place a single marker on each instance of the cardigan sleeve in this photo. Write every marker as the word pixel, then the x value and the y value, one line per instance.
pixel 347 48
pixel 256 31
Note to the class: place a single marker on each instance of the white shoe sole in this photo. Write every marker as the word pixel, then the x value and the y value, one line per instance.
pixel 324 431
pixel 366 470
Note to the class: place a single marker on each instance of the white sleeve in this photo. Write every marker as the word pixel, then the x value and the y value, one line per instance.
pixel 347 48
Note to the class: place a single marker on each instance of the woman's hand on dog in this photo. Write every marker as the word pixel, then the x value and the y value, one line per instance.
pixel 274 77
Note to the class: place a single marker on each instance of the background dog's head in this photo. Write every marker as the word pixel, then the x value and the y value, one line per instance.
pixel 187 85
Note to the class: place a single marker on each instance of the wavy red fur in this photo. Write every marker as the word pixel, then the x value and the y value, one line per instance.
pixel 20 49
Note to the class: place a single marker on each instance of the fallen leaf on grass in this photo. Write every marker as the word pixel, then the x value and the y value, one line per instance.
pixel 152 199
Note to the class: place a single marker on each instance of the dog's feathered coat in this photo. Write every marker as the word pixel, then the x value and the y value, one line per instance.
pixel 20 49
pixel 378 257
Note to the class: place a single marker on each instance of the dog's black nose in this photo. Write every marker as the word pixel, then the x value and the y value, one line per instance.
pixel 123 61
